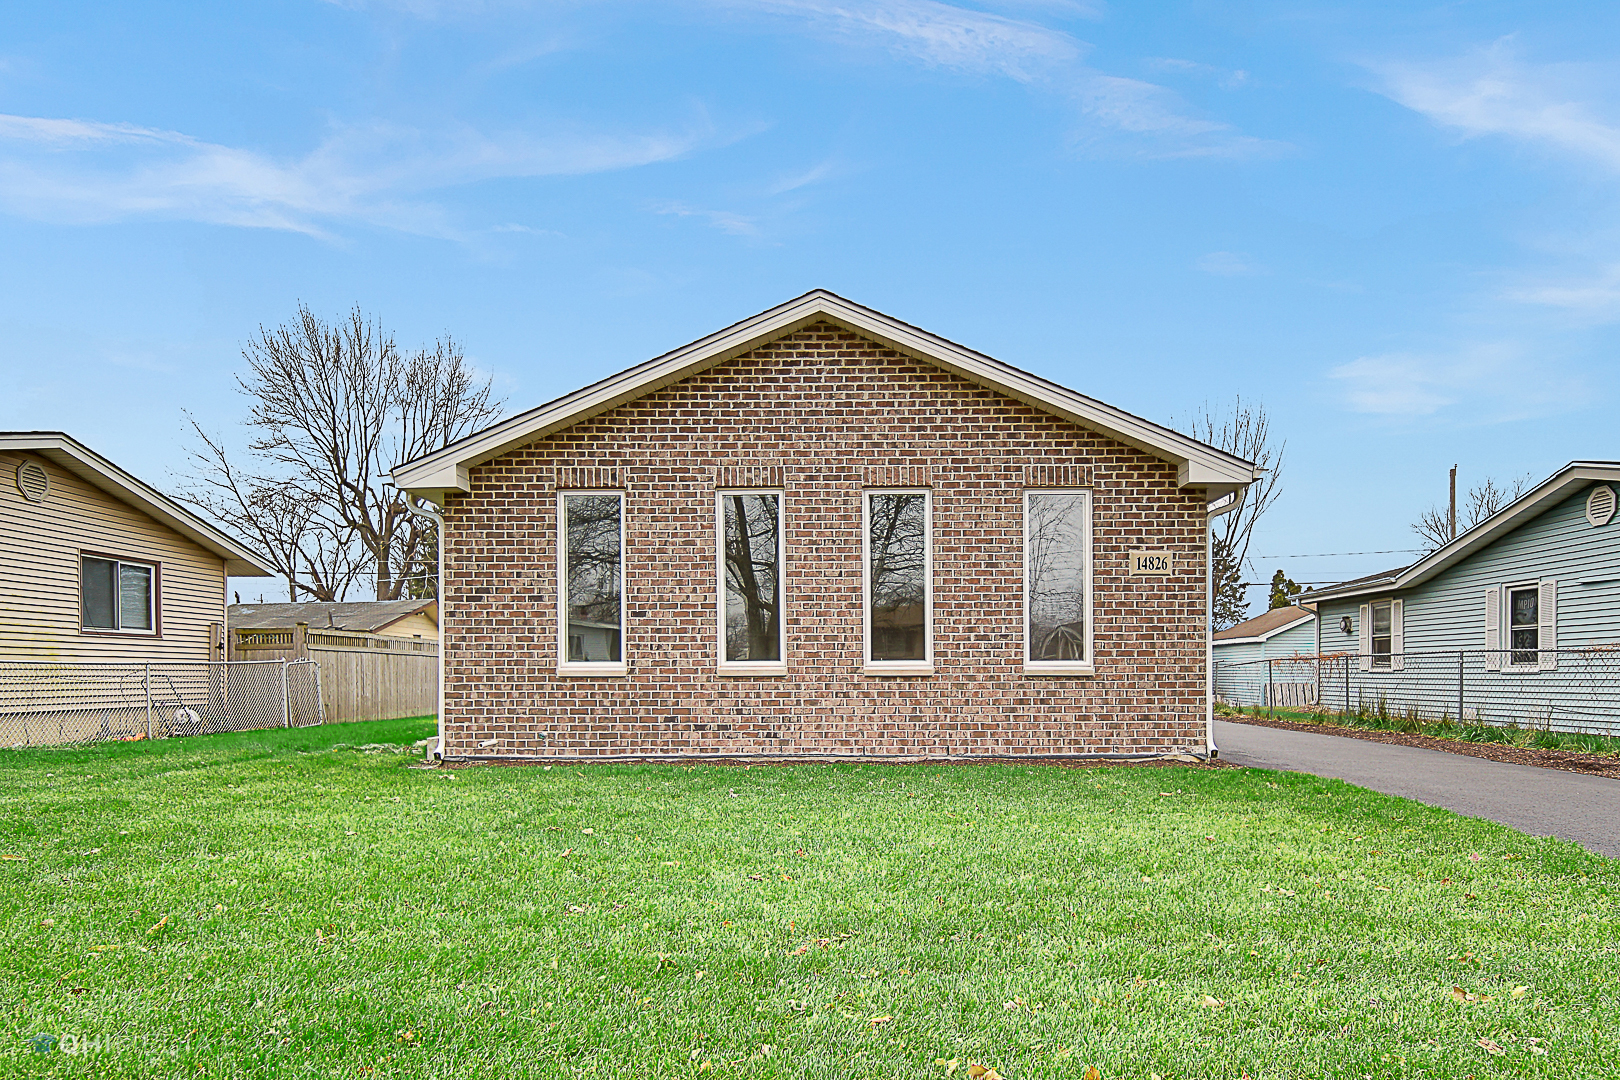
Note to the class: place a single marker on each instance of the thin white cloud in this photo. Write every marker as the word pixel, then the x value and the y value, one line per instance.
pixel 979 42
pixel 814 175
pixel 724 220
pixel 1225 78
pixel 1493 92
pixel 1227 264
pixel 83 171
pixel 1488 383
pixel 1596 297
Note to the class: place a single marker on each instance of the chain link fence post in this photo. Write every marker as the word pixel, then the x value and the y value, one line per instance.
pixel 286 701
pixel 1460 655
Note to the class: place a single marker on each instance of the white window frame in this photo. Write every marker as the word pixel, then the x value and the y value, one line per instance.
pixel 749 667
pixel 1062 667
pixel 1372 635
pixel 154 596
pixel 870 666
pixel 594 668
pixel 1508 663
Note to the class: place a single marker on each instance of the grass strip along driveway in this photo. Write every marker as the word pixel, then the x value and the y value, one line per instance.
pixel 275 904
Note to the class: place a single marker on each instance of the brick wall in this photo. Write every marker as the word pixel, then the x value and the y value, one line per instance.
pixel 821 413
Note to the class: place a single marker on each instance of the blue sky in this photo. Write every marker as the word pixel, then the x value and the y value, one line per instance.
pixel 1396 224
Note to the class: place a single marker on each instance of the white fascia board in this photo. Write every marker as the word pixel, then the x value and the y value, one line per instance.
pixel 67 453
pixel 1198 465
pixel 1534 502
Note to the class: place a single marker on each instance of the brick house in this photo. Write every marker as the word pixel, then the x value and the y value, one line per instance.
pixel 822 532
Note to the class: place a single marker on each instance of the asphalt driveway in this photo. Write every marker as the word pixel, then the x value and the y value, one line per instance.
pixel 1541 802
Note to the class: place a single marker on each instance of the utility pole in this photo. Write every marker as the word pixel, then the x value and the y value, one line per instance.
pixel 1452 518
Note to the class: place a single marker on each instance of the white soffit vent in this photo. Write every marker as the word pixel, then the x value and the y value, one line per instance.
pixel 1600 505
pixel 35 483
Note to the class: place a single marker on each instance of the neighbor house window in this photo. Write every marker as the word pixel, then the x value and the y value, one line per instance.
pixel 899 594
pixel 1057 581
pixel 117 595
pixel 1524 625
pixel 1383 623
pixel 750 547
pixel 591 588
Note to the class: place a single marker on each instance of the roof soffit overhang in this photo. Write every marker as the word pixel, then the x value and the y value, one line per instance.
pixel 1198 465
pixel 1535 502
pixel 71 456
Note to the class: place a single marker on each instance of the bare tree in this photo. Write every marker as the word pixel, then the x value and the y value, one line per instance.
pixel 1433 526
pixel 334 409
pixel 1245 432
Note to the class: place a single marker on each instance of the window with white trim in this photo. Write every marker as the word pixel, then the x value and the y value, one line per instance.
pixel 899 633
pixel 749 526
pixel 1524 625
pixel 1057 581
pixel 1383 632
pixel 591 614
pixel 115 594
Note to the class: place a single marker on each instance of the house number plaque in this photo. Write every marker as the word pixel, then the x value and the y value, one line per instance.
pixel 1146 562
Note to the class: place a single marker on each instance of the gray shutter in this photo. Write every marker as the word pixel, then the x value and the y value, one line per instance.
pixel 1364 645
pixel 1547 631
pixel 1397 635
pixel 1493 628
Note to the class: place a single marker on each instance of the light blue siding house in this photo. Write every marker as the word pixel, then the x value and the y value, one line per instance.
pixel 1280 632
pixel 1242 676
pixel 1516 620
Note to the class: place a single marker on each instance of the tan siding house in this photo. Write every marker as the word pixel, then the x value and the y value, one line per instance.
pixel 99 567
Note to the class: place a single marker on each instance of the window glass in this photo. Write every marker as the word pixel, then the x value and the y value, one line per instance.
pixel 1380 634
pixel 751 528
pixel 1524 624
pixel 897 558
pixel 1056 535
pixel 594 578
pixel 97 592
pixel 134 597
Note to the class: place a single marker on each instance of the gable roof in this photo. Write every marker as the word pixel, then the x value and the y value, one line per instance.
pixel 73 456
pixel 369 616
pixel 1539 499
pixel 1198 464
pixel 1265 626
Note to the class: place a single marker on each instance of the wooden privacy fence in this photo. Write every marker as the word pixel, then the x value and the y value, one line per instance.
pixel 363 676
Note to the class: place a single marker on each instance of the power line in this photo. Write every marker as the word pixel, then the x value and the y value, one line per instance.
pixel 1331 554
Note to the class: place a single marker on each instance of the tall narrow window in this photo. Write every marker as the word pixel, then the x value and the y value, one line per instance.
pixel 1382 633
pixel 117 595
pixel 1057 581
pixel 750 581
pixel 899 564
pixel 1524 625
pixel 591 627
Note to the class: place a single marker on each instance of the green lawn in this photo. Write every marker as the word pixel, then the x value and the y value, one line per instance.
pixel 274 904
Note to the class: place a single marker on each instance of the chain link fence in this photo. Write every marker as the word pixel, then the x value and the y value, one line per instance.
pixel 43 704
pixel 1563 690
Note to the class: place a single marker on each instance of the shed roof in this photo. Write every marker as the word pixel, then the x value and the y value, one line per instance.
pixel 369 616
pixel 67 453
pixel 1198 464
pixel 1267 625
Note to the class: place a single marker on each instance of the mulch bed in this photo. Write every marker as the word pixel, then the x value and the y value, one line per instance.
pixel 1568 760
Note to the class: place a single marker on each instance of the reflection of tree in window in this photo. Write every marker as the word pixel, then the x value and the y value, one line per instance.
pixel 1057 577
pixel 1524 625
pixel 594 573
pixel 898 545
pixel 753 586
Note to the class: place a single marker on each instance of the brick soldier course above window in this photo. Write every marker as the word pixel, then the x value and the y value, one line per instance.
pixel 823 533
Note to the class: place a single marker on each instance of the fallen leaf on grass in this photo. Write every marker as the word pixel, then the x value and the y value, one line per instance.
pixel 948 1066
pixel 1213 1003
pixel 876 1020
pixel 14 858
pixel 565 854
pixel 1491 1047
pixel 800 951
pixel 1459 994
pixel 1519 992
pixel 983 1072
pixel 1092 1073
pixel 158 925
